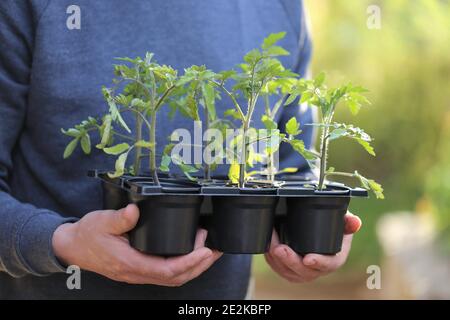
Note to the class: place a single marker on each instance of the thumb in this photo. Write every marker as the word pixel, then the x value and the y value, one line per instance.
pixel 123 220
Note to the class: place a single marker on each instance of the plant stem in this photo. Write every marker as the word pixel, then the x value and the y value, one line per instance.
pixel 270 168
pixel 323 156
pixel 161 100
pixel 233 99
pixel 243 164
pixel 138 152
pixel 207 171
pixel 152 159
pixel 342 174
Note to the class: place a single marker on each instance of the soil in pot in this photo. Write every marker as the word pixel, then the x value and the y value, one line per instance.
pixel 315 224
pixel 241 223
pixel 167 224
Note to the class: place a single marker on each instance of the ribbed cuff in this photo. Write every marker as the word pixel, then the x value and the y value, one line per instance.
pixel 34 243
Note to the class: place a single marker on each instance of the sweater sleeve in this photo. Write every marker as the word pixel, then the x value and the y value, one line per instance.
pixel 25 231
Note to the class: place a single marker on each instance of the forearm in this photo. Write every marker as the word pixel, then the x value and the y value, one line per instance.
pixel 26 238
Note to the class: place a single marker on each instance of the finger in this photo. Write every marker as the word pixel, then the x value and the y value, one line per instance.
pixel 352 223
pixel 197 270
pixel 200 238
pixel 280 268
pixel 294 262
pixel 121 221
pixel 275 241
pixel 272 258
pixel 330 263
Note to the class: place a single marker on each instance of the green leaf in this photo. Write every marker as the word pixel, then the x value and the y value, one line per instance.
pixel 252 56
pixel 117 149
pixel 269 123
pixel 366 145
pixel 86 143
pixel 293 127
pixel 376 188
pixel 306 96
pixel 353 106
pixel 71 132
pixel 106 132
pixel 288 170
pixel 209 94
pixel 277 51
pixel 120 166
pixel 113 110
pixel 233 173
pixel 233 113
pixel 144 144
pixel 227 74
pixel 70 148
pixel 319 79
pixel 292 97
pixel 166 160
pixel 271 39
pixel 337 133
pixel 299 146
pixel 370 184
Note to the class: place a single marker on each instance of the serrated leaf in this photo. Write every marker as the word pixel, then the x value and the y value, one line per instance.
pixel 337 133
pixel 371 184
pixel 252 56
pixel 366 145
pixel 272 38
pixel 117 149
pixel 70 148
pixel 277 51
pixel 225 75
pixel 293 127
pixel 269 124
pixel 86 143
pixel 299 146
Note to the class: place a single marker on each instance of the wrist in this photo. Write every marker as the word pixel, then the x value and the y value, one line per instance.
pixel 61 242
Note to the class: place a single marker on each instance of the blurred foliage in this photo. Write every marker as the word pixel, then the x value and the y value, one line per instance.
pixel 406 66
pixel 438 186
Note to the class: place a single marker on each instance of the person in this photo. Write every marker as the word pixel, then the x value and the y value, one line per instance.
pixel 54 58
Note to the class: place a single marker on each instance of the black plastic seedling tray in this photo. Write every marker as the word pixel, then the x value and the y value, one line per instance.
pixel 238 220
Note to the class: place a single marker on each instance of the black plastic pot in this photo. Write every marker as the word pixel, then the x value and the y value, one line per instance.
pixel 243 223
pixel 315 224
pixel 114 196
pixel 167 224
pixel 169 214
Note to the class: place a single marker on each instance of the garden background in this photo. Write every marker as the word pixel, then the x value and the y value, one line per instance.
pixel 406 66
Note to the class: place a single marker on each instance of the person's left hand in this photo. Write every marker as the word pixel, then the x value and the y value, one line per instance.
pixel 289 265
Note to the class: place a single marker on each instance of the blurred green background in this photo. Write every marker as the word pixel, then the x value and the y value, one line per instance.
pixel 406 66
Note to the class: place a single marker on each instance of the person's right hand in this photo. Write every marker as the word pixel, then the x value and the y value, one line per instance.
pixel 98 243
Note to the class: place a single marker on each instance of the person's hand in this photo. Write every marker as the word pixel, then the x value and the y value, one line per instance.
pixel 98 243
pixel 289 265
